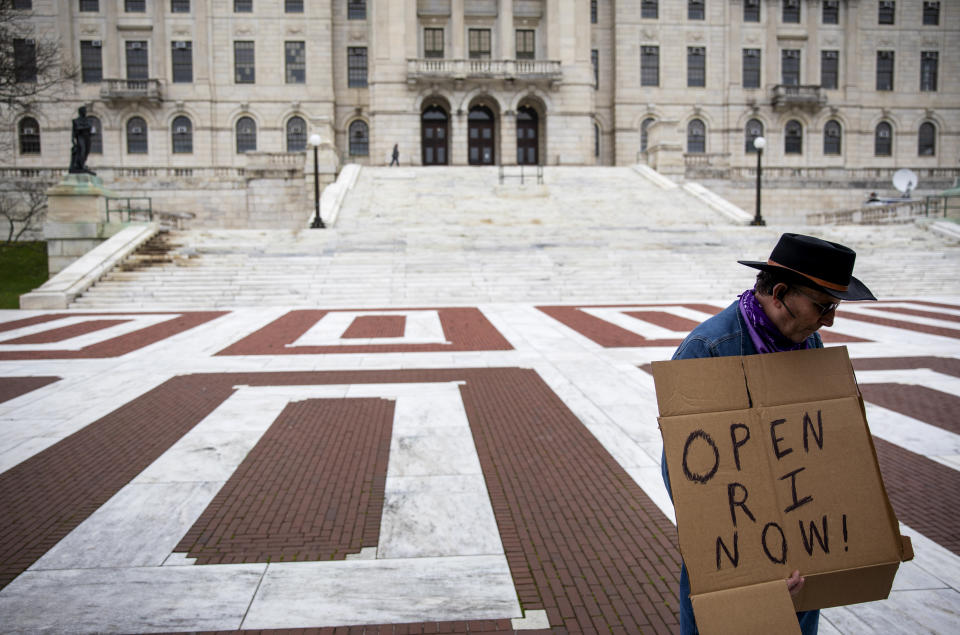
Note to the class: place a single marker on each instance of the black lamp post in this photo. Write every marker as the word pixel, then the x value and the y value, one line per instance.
pixel 758 143
pixel 317 221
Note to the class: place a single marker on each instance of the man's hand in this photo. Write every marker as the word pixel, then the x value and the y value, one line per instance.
pixel 794 583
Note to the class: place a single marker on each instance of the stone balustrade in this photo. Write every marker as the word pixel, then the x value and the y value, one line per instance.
pixel 422 69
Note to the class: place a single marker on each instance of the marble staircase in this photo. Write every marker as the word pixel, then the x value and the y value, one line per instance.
pixel 452 236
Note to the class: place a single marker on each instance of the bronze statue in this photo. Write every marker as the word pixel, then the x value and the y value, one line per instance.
pixel 82 129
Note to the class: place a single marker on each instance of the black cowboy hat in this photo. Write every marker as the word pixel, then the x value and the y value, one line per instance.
pixel 818 263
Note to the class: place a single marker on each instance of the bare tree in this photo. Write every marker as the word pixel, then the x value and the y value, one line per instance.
pixel 31 64
pixel 23 209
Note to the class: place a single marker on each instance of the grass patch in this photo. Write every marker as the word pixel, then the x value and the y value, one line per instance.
pixel 23 267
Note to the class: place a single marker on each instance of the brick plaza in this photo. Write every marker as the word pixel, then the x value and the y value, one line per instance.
pixel 487 468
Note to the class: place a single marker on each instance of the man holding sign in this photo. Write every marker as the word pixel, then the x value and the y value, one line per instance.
pixel 797 291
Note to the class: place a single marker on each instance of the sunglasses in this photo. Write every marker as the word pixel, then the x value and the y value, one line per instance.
pixel 824 307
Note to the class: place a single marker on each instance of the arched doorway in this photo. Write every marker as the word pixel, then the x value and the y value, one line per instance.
pixel 480 142
pixel 433 136
pixel 528 137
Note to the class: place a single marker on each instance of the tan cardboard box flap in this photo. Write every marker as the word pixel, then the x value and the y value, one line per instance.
pixel 759 608
pixel 689 386
pixel 782 378
pixel 849 586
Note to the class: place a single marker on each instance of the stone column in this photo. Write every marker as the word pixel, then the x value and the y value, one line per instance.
pixel 457 49
pixel 458 138
pixel 508 137
pixel 508 40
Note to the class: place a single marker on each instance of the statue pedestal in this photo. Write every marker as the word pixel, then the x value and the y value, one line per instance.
pixel 76 219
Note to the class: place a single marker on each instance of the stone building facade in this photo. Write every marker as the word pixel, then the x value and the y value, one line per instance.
pixel 208 105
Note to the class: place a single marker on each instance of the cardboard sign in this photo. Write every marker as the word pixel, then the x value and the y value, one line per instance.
pixel 772 469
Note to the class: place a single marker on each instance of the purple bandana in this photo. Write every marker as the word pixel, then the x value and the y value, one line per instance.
pixel 765 335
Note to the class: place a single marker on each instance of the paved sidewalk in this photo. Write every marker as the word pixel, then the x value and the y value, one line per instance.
pixel 483 468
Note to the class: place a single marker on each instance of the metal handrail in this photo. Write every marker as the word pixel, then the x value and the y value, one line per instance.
pixel 503 175
pixel 122 205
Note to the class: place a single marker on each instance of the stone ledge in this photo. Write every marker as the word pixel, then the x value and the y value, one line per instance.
pixel 62 289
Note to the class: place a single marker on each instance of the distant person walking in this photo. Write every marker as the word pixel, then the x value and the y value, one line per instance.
pixel 396 155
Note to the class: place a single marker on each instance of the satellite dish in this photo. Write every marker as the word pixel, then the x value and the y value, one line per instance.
pixel 905 181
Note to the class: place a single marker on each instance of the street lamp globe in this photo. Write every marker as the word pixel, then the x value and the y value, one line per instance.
pixel 314 140
pixel 758 143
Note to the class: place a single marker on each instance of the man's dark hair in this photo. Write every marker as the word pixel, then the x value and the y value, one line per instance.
pixel 767 280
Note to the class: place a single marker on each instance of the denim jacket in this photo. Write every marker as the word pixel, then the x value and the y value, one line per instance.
pixel 723 335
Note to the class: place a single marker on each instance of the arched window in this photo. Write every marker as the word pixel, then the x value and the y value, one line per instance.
pixel 136 136
pixel 927 140
pixel 29 131
pixel 96 136
pixel 296 134
pixel 359 139
pixel 832 137
pixel 793 137
pixel 883 140
pixel 643 133
pixel 696 137
pixel 182 135
pixel 246 135
pixel 753 129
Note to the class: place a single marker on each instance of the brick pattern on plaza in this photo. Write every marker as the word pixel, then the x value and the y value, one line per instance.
pixel 112 347
pixel 904 324
pixel 64 332
pixel 12 387
pixel 311 489
pixel 376 326
pixel 465 329
pixel 611 335
pixel 582 540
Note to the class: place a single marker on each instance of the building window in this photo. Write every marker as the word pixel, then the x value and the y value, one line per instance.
pixel 751 10
pixel 96 136
pixel 696 66
pixel 479 42
pixel 790 67
pixel 883 140
pixel 135 6
pixel 357 66
pixel 137 63
pixel 295 54
pixel 695 10
pixel 650 9
pixel 696 137
pixel 136 136
pixel 25 60
pixel 22 5
pixel 831 12
pixel 595 61
pixel 593 11
pixel 927 140
pixel 644 130
pixel 356 9
pixel 751 68
pixel 91 61
pixel 433 43
pixel 885 11
pixel 526 45
pixel 90 5
pixel 791 11
pixel 793 137
pixel 244 62
pixel 931 13
pixel 243 6
pixel 359 139
pixel 293 6
pixel 246 135
pixel 753 130
pixel 179 6
pixel 182 135
pixel 885 70
pixel 296 134
pixel 29 131
pixel 829 69
pixel 649 65
pixel 831 138
pixel 181 57
pixel 928 70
